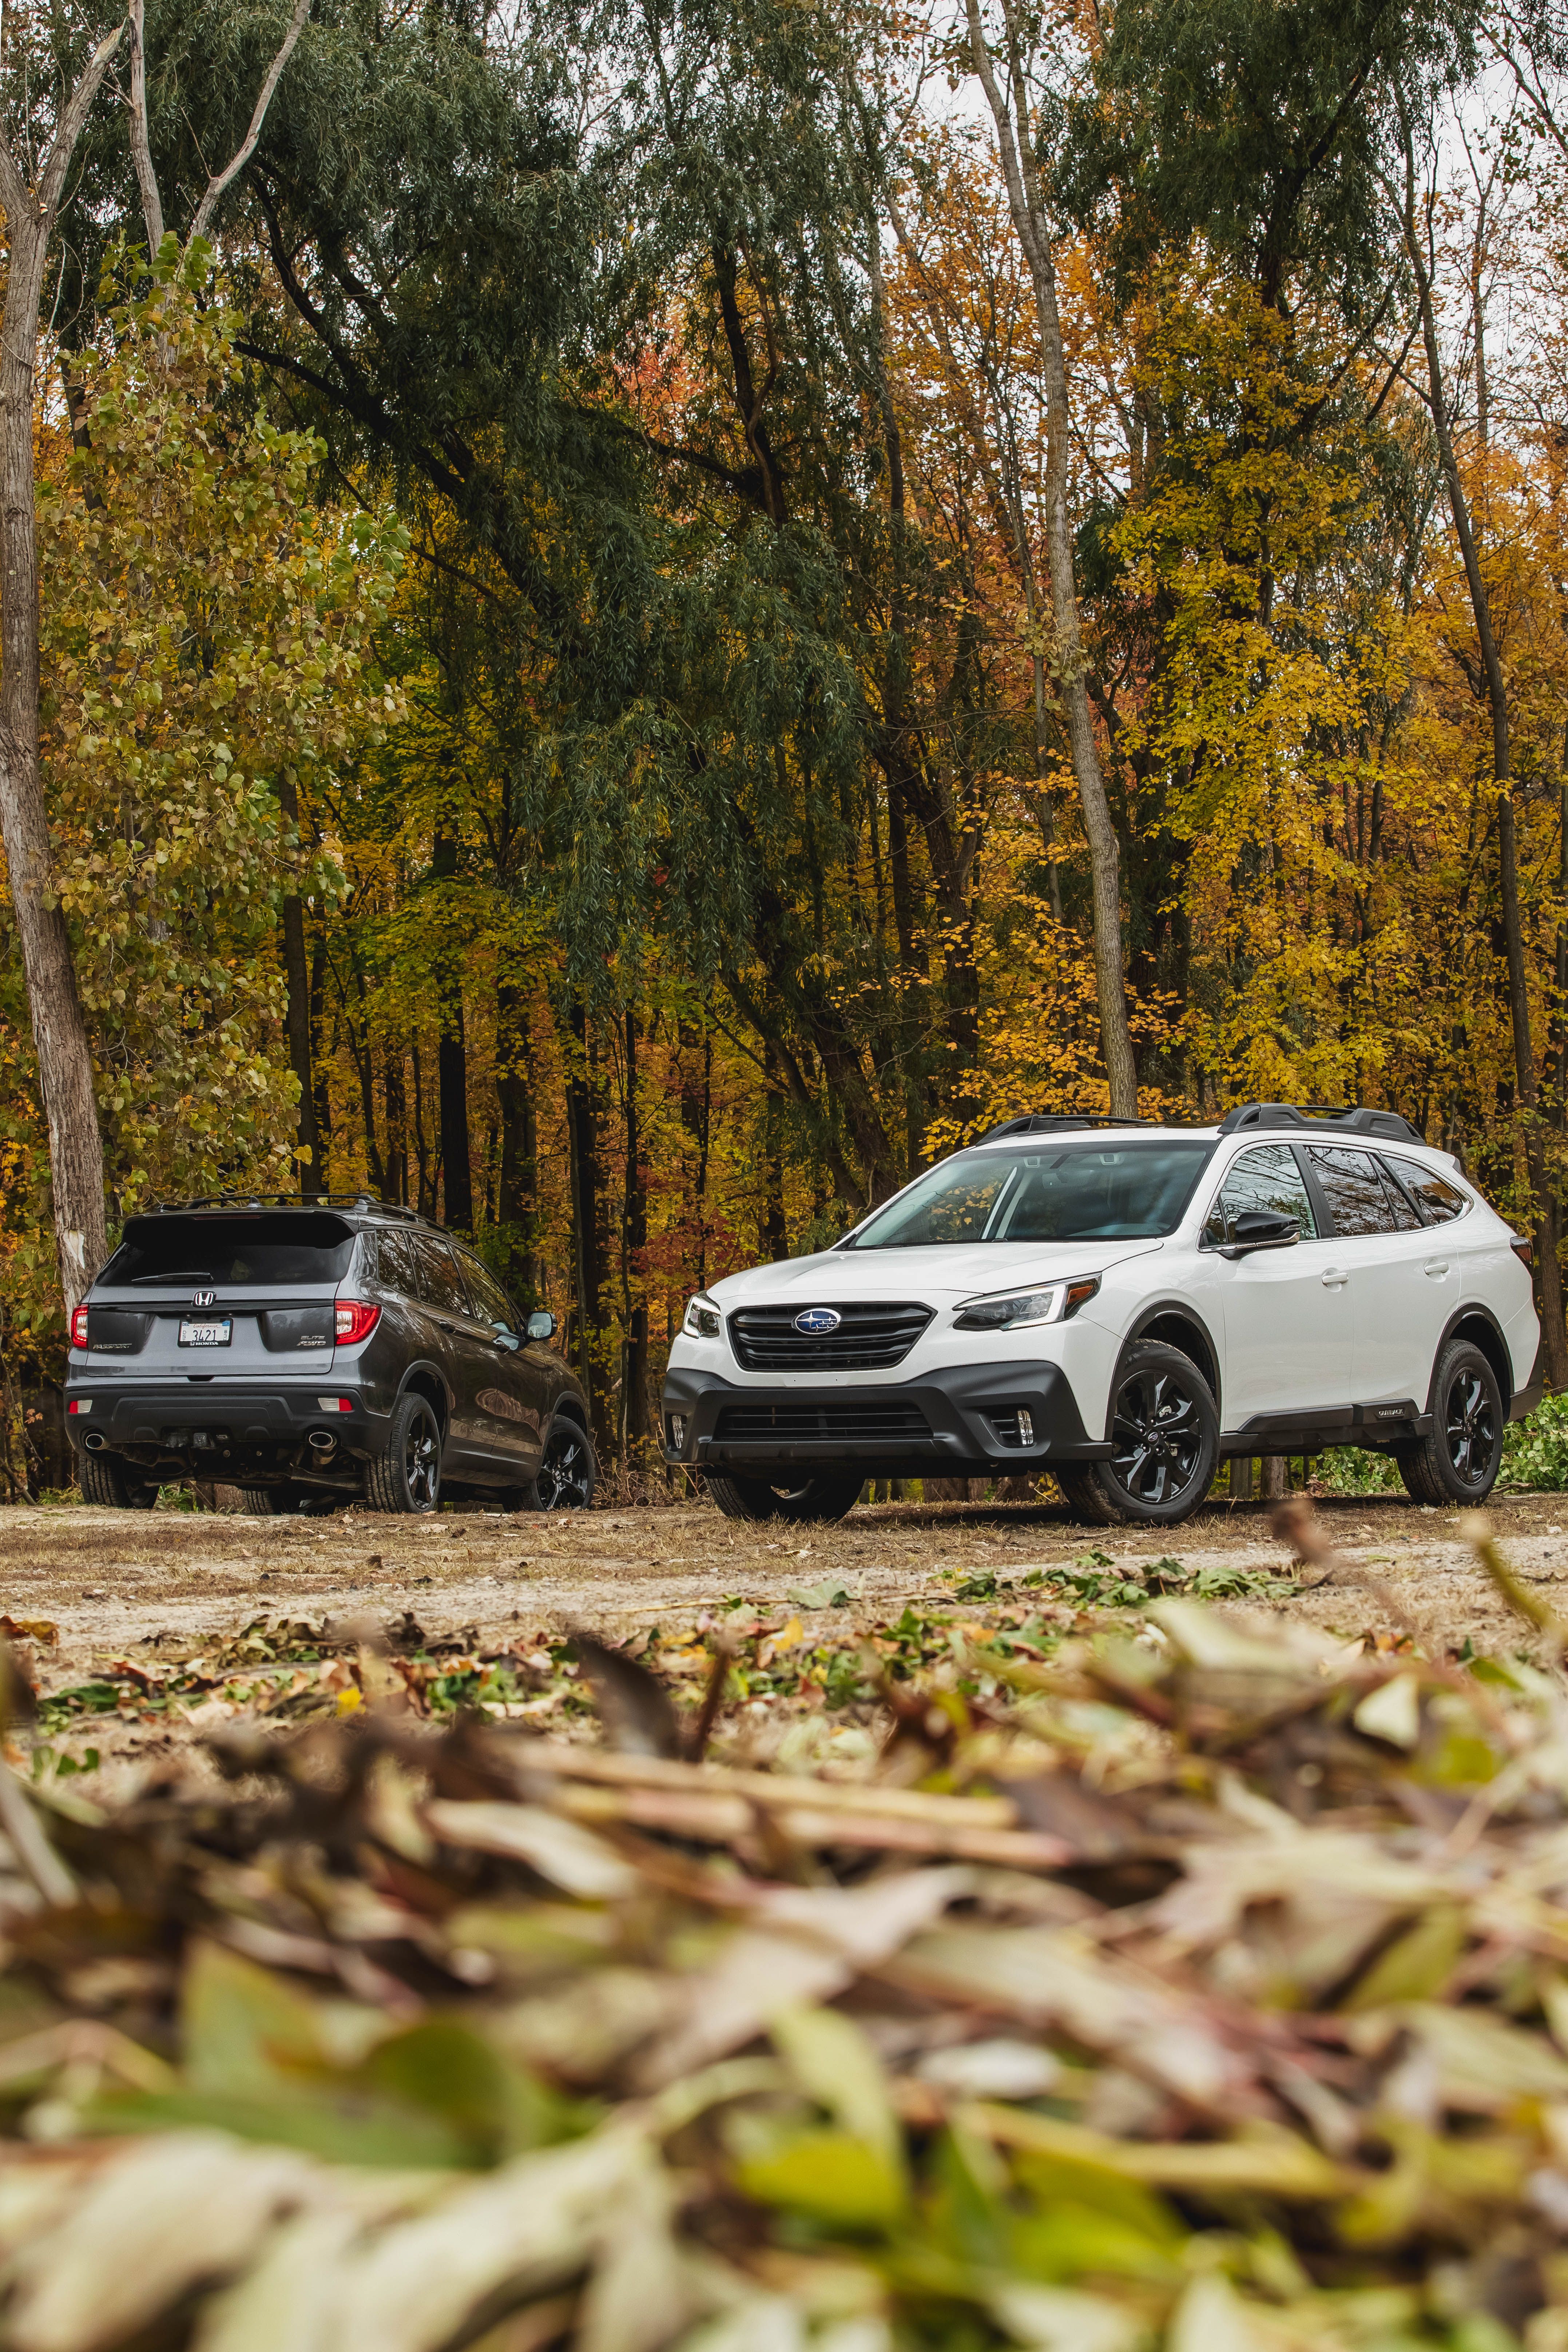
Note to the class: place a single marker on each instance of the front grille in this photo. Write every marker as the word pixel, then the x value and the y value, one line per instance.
pixel 869 1339
pixel 870 1420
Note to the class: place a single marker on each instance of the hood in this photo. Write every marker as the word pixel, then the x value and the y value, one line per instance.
pixel 965 1271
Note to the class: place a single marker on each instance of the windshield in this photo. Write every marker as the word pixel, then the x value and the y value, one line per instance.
pixel 1068 1192
pixel 286 1246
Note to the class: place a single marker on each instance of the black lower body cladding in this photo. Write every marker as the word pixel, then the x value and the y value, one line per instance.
pixel 965 1420
pixel 230 1432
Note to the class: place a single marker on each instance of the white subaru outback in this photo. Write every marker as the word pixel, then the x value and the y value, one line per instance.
pixel 1125 1307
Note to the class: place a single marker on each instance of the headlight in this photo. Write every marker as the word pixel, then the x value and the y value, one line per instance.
pixel 1052 1305
pixel 703 1320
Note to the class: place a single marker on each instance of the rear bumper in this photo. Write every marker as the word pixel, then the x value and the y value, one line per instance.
pixel 962 1421
pixel 223 1427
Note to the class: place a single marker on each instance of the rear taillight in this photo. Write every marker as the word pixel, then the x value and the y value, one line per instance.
pixel 352 1321
pixel 78 1326
pixel 1524 1251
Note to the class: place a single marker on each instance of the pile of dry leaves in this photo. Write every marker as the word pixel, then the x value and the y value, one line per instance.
pixel 1206 1989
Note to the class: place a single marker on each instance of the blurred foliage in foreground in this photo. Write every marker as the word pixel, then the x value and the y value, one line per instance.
pixel 1205 1989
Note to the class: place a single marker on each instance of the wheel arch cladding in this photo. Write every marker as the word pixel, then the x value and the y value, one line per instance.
pixel 1472 1323
pixel 567 1408
pixel 1176 1327
pixel 428 1384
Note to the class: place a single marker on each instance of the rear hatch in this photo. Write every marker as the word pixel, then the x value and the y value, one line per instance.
pixel 219 1294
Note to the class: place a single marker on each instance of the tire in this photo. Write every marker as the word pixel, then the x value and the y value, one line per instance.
pixel 564 1479
pixel 1164 1427
pixel 833 1495
pixel 290 1502
pixel 405 1475
pixel 1458 1461
pixel 113 1484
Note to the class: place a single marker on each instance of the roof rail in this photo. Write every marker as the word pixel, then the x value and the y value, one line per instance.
pixel 361 1199
pixel 1353 1118
pixel 1043 1122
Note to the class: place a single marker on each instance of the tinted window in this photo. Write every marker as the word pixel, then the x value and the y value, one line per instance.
pixel 1065 1192
pixel 1269 1179
pixel 1437 1198
pixel 440 1284
pixel 491 1304
pixel 1405 1217
pixel 274 1249
pixel 395 1263
pixel 1358 1200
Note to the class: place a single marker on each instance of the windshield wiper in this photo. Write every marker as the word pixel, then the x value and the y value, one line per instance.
pixel 180 1273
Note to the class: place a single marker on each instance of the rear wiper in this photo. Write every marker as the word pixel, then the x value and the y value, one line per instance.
pixel 180 1273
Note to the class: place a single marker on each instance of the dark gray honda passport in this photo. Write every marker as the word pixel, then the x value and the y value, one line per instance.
pixel 314 1354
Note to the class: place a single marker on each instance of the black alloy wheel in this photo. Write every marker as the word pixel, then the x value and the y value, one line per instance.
pixel 1157 1435
pixel 1165 1441
pixel 1459 1459
pixel 564 1479
pixel 1470 1426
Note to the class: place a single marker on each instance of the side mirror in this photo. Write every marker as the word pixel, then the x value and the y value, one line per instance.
pixel 541 1326
pixel 1261 1229
pixel 505 1336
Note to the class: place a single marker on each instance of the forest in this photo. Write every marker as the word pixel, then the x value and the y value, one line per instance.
pixel 627 619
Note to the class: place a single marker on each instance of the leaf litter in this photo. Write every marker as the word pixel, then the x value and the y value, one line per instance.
pixel 1179 1980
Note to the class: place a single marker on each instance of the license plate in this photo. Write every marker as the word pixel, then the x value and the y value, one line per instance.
pixel 207 1335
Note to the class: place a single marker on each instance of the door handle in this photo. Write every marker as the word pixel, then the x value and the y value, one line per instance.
pixel 1334 1277
pixel 1437 1267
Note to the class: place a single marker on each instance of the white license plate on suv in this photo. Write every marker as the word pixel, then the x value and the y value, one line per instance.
pixel 206 1334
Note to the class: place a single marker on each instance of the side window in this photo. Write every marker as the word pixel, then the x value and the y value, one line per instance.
pixel 1406 1220
pixel 394 1267
pixel 491 1304
pixel 440 1284
pixel 1358 1200
pixel 1437 1199
pixel 1268 1178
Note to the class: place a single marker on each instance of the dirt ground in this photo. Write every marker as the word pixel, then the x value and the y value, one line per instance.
pixel 112 1581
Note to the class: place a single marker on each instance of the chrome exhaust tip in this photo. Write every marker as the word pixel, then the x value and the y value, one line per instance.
pixel 323 1442
pixel 95 1440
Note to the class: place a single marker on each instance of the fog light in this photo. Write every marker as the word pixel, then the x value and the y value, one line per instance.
pixel 1025 1427
pixel 78 1404
pixel 335 1404
pixel 677 1432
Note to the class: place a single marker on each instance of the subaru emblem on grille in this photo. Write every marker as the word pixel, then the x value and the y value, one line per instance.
pixel 818 1321
pixel 204 1298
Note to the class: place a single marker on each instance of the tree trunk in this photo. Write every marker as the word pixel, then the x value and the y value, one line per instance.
pixel 321 1092
pixel 297 972
pixel 1548 1268
pixel 452 1080
pixel 517 1205
pixel 634 1241
pixel 1010 115
pixel 587 1217
pixel 776 1228
pixel 59 1030
pixel 396 1098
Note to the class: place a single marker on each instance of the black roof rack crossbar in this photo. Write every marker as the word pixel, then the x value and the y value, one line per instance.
pixel 1044 1122
pixel 360 1200
pixel 1353 1118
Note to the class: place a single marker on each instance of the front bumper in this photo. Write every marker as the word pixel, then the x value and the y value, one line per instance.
pixel 224 1429
pixel 959 1421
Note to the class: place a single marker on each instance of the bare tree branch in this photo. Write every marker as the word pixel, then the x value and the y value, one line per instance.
pixel 243 153
pixel 71 124
pixel 140 142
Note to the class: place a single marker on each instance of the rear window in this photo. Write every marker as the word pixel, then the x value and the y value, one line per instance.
pixel 274 1250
